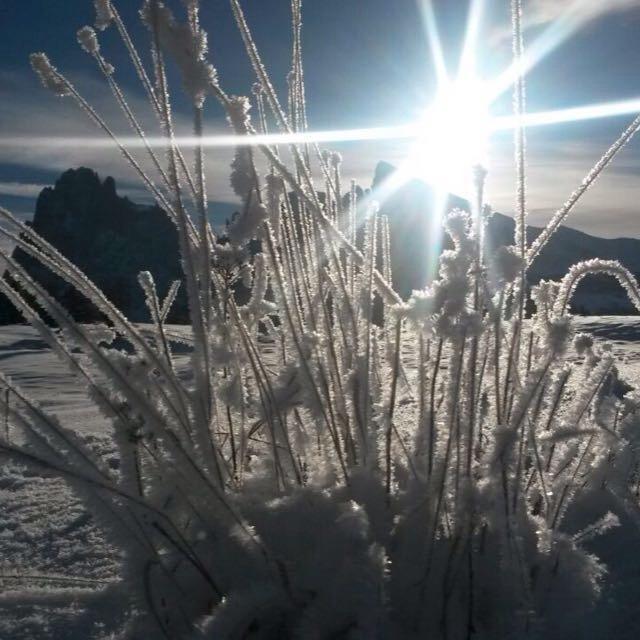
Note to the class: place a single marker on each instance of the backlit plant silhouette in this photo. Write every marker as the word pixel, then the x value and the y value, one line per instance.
pixel 325 470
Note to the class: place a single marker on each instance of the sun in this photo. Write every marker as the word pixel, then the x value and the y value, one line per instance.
pixel 453 136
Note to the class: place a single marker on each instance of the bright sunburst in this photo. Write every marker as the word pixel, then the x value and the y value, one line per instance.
pixel 453 136
pixel 447 140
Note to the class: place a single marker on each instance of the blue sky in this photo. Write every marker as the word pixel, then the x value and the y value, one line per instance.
pixel 367 65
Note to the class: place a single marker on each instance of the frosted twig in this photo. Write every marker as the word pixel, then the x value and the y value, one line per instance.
pixel 561 214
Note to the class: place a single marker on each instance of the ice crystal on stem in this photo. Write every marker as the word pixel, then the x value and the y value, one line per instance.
pixel 187 45
pixel 49 75
pixel 104 14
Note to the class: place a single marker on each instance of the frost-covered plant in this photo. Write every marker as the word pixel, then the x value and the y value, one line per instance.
pixel 324 473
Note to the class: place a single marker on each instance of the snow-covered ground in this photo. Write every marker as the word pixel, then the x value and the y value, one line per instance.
pixel 27 360
pixel 56 566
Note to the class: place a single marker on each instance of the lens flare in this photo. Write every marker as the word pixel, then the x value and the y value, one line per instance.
pixel 469 56
pixel 453 136
pixel 433 39
pixel 449 138
pixel 569 115
pixel 573 16
pixel 439 112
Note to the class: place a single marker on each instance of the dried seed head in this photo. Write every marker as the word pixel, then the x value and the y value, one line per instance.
pixel 88 40
pixel 49 75
pixel 582 343
pixel 186 44
pixel 242 178
pixel 559 332
pixel 479 176
pixel 146 280
pixel 336 159
pixel 545 293
pixel 248 224
pixel 457 224
pixel 275 185
pixel 104 14
pixel 238 109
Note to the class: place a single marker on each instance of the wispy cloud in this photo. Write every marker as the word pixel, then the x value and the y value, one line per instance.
pixel 564 16
pixel 28 111
pixel 21 189
pixel 555 169
pixel 542 12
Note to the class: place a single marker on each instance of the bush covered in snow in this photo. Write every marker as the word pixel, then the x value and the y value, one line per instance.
pixel 325 474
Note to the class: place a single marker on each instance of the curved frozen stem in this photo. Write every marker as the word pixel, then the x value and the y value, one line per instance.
pixel 596 266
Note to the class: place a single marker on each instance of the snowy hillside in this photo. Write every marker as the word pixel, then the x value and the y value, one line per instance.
pixel 410 209
pixel 59 576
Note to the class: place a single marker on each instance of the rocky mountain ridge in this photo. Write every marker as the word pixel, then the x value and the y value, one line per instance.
pixel 112 239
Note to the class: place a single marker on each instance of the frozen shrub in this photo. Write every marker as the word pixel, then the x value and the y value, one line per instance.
pixel 307 480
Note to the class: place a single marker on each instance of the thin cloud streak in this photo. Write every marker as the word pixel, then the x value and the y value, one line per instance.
pixel 553 172
pixel 563 14
pixel 29 112
pixel 21 189
pixel 542 12
pixel 554 169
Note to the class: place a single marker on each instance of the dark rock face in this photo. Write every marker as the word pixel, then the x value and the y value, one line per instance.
pixel 110 239
pixel 416 234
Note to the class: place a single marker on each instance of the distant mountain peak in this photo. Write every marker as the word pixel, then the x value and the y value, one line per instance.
pixel 418 238
pixel 109 238
pixel 382 171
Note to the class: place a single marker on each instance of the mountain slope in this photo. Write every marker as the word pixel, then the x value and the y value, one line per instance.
pixel 418 238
